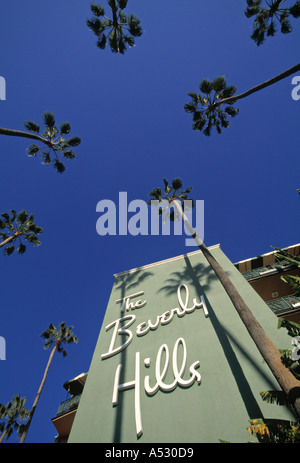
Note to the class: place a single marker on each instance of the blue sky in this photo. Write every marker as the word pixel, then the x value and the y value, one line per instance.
pixel 128 111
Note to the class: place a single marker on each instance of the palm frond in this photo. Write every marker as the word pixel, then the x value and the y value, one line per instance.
pixel 275 397
pixel 119 31
pixel 206 106
pixel 267 15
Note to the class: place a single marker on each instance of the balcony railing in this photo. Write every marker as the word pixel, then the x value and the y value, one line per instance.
pixel 68 405
pixel 284 304
pixel 259 272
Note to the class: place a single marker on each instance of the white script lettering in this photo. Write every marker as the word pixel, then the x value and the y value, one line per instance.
pixel 121 331
pixel 127 304
pixel 160 374
pixel 144 327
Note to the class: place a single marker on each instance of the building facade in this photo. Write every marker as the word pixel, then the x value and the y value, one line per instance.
pixel 174 362
pixel 264 274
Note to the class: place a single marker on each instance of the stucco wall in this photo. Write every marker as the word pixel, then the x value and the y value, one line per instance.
pixel 232 371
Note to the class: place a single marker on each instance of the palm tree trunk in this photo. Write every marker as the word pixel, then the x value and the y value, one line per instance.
pixel 265 84
pixel 276 5
pixel 3 435
pixel 114 13
pixel 21 133
pixel 268 350
pixel 23 437
pixel 9 239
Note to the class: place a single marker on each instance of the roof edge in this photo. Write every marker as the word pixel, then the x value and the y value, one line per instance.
pixel 164 261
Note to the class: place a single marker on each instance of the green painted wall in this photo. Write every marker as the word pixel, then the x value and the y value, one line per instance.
pixel 231 368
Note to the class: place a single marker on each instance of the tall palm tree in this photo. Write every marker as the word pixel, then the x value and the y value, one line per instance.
pixel 206 106
pixel 52 137
pixel 174 194
pixel 17 227
pixel 10 414
pixel 58 337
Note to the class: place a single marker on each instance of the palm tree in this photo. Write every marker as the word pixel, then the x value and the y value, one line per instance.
pixel 265 18
pixel 119 31
pixel 58 337
pixel 280 430
pixel 292 280
pixel 11 413
pixel 15 228
pixel 206 106
pixel 52 137
pixel 174 194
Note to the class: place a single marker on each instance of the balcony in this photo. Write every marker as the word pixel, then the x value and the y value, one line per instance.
pixel 68 405
pixel 285 305
pixel 259 272
pixel 66 412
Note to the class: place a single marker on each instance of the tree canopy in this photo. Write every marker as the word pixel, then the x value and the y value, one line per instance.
pixel 15 228
pixel 55 140
pixel 52 137
pixel 275 12
pixel 119 31
pixel 209 101
pixel 172 191
pixel 59 336
pixel 11 415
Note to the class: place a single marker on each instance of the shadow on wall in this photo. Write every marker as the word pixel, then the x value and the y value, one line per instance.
pixel 191 274
pixel 127 283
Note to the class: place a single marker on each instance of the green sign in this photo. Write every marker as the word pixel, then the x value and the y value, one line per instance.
pixel 174 362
